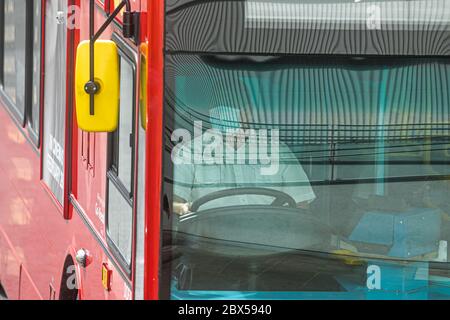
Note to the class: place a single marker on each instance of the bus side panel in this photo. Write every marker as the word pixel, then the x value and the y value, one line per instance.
pixel 32 232
pixel 27 213
pixel 34 238
pixel 28 290
pixel 9 267
pixel 91 150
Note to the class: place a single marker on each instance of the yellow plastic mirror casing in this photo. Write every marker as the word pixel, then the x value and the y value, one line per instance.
pixel 106 101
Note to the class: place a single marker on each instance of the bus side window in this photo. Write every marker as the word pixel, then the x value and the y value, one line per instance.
pixel 54 106
pixel 20 61
pixel 34 102
pixel 121 168
pixel 14 56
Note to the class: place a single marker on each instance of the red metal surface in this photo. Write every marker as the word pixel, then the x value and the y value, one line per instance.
pixel 154 147
pixel 70 103
pixel 34 238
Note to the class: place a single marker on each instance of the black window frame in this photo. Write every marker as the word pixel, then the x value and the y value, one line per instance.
pixel 125 53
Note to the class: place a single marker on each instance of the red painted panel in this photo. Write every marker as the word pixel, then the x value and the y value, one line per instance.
pixel 28 290
pixel 154 147
pixel 32 232
pixel 9 267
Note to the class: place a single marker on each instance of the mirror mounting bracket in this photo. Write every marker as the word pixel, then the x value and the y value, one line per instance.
pixel 130 30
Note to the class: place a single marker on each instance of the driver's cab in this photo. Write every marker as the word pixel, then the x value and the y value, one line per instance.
pixel 295 174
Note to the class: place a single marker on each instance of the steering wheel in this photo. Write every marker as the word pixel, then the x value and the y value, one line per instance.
pixel 281 198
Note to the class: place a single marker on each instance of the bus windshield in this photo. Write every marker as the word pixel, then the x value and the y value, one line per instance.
pixel 306 176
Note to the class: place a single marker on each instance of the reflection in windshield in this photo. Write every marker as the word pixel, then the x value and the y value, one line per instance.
pixel 299 176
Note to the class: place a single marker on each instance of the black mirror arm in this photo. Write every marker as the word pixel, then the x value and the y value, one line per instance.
pixel 93 87
pixel 128 23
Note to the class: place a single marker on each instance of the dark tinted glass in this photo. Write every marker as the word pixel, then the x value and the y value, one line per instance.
pixel 405 27
pixel 335 182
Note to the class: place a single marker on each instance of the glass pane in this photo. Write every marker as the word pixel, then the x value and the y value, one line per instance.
pixel 35 93
pixel 386 27
pixel 126 122
pixel 340 14
pixel 120 213
pixel 140 192
pixel 120 222
pixel 55 96
pixel 307 177
pixel 14 53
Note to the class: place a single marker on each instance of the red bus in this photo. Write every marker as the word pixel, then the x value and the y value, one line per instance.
pixel 249 149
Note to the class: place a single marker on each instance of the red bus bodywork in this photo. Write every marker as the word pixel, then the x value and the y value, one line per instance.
pixel 39 235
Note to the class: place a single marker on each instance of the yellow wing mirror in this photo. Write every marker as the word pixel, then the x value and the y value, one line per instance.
pixel 97 112
pixel 97 71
